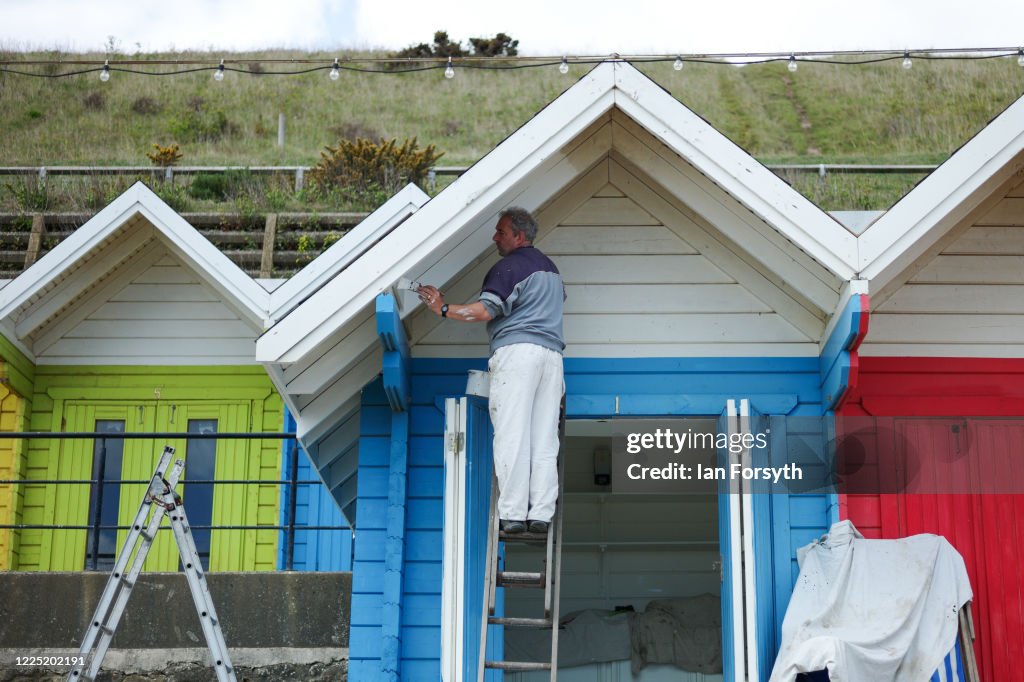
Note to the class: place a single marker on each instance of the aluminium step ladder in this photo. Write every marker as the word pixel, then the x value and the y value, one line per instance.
pixel 162 500
pixel 549 579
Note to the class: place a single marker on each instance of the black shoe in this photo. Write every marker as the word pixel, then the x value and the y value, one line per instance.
pixel 538 527
pixel 512 527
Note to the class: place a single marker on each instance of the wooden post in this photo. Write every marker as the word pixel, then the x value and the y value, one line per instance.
pixel 280 129
pixel 35 239
pixel 269 236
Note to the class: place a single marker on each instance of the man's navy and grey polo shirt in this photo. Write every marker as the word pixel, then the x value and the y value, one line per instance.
pixel 524 294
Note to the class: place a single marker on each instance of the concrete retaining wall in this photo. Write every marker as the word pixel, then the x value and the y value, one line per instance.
pixel 277 625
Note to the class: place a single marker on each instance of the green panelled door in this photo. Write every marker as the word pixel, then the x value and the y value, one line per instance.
pixel 134 459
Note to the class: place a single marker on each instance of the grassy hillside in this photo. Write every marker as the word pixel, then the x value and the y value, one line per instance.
pixel 820 114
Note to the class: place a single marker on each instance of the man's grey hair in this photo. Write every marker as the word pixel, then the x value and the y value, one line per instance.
pixel 521 222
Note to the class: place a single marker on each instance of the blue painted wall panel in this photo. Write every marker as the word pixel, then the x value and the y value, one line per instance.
pixel 793 521
pixel 367 576
pixel 313 550
pixel 417 670
pixel 364 642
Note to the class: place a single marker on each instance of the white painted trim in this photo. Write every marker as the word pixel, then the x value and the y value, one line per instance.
pixel 311 378
pixel 463 286
pixel 481 191
pixel 749 560
pixel 62 257
pixel 350 247
pixel 912 263
pixel 239 291
pixel 453 565
pixel 736 171
pixel 731 218
pixel 320 414
pixel 736 557
pixel 140 261
pixel 694 230
pixel 494 178
pixel 124 254
pixel 943 198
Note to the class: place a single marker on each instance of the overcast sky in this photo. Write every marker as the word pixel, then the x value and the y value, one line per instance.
pixel 548 27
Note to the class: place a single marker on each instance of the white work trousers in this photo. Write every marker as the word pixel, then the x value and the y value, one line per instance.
pixel 525 394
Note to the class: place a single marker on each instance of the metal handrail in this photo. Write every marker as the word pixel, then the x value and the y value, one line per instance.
pixel 438 170
pixel 289 527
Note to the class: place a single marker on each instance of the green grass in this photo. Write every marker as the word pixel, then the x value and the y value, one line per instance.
pixel 820 114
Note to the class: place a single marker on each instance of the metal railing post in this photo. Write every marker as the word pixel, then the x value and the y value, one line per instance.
pixel 97 517
pixel 293 477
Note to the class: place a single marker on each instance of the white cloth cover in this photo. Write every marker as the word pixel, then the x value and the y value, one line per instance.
pixel 879 610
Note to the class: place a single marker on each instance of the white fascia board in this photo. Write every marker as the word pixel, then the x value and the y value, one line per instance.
pixel 937 202
pixel 445 216
pixel 62 257
pixel 322 414
pixel 240 291
pixel 214 267
pixel 736 171
pixel 346 250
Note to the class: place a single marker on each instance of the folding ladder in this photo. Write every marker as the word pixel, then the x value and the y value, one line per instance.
pixel 160 499
pixel 549 579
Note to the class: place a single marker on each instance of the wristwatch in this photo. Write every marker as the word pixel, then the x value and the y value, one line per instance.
pixel 444 310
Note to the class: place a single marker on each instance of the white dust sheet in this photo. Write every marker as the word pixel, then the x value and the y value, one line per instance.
pixel 879 610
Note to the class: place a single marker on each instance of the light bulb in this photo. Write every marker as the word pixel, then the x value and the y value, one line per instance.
pixel 335 73
pixel 678 63
pixel 564 66
pixel 907 63
pixel 105 73
pixel 449 71
pixel 792 64
pixel 1020 56
pixel 218 75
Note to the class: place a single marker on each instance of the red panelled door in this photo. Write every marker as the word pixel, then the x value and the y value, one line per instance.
pixel 987 528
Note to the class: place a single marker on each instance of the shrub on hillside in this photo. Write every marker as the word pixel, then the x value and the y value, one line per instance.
pixel 500 45
pixel 165 156
pixel 442 47
pixel 356 169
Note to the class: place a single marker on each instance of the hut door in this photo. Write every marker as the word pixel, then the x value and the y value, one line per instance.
pixel 468 464
pixel 736 539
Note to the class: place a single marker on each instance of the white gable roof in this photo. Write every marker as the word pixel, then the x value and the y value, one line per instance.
pixel 346 250
pixel 323 352
pixel 80 264
pixel 916 223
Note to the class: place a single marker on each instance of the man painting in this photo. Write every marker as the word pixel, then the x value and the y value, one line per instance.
pixel 521 301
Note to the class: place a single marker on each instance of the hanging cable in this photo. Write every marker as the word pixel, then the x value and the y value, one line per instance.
pixel 399 65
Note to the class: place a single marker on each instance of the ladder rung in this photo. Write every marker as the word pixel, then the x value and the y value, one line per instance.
pixel 525 538
pixel 520 622
pixel 517 579
pixel 516 665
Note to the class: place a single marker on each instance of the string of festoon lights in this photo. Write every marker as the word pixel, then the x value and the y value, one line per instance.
pixel 397 65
